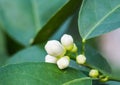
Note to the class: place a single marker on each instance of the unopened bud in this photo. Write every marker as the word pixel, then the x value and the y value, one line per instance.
pixel 74 49
pixel 67 41
pixel 50 59
pixel 54 48
pixel 63 62
pixel 94 73
pixel 104 78
pixel 81 59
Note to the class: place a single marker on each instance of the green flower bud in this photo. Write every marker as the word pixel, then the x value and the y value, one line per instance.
pixel 104 78
pixel 94 73
pixel 74 49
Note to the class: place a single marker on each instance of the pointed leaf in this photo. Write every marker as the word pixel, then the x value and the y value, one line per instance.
pixel 97 17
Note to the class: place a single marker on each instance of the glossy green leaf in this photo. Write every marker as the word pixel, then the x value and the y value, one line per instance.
pixel 36 74
pixel 31 54
pixel 97 17
pixel 81 81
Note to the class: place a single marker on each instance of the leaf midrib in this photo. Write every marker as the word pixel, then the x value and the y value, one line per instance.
pixel 75 80
pixel 100 21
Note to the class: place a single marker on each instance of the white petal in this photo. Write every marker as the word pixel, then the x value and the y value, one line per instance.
pixel 63 62
pixel 50 59
pixel 67 41
pixel 54 48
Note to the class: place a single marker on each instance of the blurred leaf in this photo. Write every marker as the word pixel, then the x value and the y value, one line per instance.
pixel 97 17
pixel 97 82
pixel 31 54
pixel 62 30
pixel 23 19
pixel 57 20
pixel 2 44
pixel 12 46
pixel 97 61
pixel 36 74
pixel 81 81
pixel 113 83
pixel 3 53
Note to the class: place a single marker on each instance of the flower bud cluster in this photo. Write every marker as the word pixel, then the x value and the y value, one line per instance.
pixel 56 51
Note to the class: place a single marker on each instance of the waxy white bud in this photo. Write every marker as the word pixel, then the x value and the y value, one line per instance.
pixel 94 73
pixel 74 49
pixel 67 41
pixel 63 62
pixel 81 59
pixel 54 48
pixel 50 59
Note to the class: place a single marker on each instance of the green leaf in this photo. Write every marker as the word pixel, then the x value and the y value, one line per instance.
pixel 3 53
pixel 97 17
pixel 97 61
pixel 32 54
pixel 113 83
pixel 36 74
pixel 26 19
pixel 81 81
pixel 57 20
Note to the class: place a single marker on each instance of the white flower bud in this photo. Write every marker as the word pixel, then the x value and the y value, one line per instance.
pixel 63 62
pixel 74 49
pixel 54 48
pixel 67 41
pixel 50 59
pixel 94 73
pixel 81 59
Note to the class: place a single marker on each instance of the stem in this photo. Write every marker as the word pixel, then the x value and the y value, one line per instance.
pixel 83 47
pixel 87 65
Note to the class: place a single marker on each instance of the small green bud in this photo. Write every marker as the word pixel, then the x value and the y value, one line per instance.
pixel 94 73
pixel 81 59
pixel 104 79
pixel 74 48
